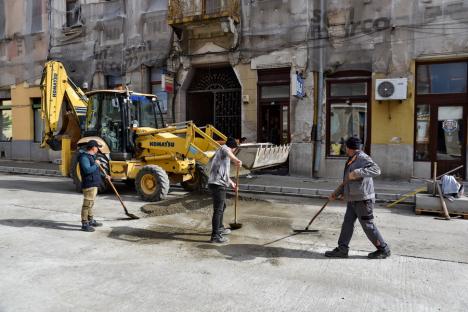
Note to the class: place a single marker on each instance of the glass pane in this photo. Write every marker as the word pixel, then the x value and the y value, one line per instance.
pixel 442 78
pixel 348 89
pixel 111 122
pixel 163 97
pixel 346 121
pixel 37 125
pixel 5 125
pixel 273 92
pixel 285 135
pixel 449 133
pixel 422 132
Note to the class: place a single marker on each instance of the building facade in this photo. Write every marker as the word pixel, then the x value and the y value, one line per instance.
pixel 306 72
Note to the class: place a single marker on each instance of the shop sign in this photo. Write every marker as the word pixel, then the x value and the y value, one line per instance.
pixel 450 126
pixel 167 83
pixel 297 86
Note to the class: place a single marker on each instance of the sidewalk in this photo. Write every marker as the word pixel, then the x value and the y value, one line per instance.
pixel 29 167
pixel 386 191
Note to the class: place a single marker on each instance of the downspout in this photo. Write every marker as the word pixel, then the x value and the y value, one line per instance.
pixel 318 133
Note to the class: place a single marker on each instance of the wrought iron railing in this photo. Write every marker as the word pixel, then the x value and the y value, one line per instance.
pixel 181 11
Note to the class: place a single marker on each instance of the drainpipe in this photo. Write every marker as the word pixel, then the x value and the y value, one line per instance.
pixel 318 133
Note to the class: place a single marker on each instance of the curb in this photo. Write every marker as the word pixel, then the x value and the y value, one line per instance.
pixel 314 193
pixel 32 171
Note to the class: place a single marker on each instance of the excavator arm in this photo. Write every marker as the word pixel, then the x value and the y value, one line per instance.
pixel 63 106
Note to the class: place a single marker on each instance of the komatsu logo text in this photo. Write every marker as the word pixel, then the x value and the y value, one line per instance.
pixel 54 85
pixel 162 144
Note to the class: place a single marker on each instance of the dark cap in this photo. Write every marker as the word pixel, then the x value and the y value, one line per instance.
pixel 93 143
pixel 353 143
pixel 231 142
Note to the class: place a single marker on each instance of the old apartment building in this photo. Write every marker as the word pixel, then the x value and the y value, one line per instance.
pixel 306 72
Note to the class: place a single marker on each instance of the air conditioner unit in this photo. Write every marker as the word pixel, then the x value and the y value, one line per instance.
pixel 391 89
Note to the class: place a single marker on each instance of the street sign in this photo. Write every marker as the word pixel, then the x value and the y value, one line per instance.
pixel 167 83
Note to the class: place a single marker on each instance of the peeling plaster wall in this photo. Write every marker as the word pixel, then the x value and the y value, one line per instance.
pixel 112 39
pixel 23 42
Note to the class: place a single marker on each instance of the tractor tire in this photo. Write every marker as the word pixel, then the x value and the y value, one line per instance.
pixel 198 182
pixel 75 172
pixel 152 183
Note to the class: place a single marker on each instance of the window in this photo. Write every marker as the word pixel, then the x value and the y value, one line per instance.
pixel 441 78
pixel 5 120
pixel 38 127
pixel 73 13
pixel 156 89
pixel 274 92
pixel 423 118
pixel 114 82
pixel 348 105
pixel 346 120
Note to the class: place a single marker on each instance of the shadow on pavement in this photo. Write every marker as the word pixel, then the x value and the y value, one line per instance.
pixel 38 186
pixel 245 252
pixel 130 234
pixel 47 224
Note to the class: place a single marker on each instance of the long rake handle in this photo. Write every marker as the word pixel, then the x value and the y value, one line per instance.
pixel 115 190
pixel 237 195
pixel 317 214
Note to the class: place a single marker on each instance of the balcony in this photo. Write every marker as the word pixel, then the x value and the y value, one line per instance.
pixel 187 11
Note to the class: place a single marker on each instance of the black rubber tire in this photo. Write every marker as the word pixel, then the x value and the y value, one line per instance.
pixel 75 174
pixel 162 183
pixel 199 182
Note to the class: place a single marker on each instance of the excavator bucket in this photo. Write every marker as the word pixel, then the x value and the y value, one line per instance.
pixel 256 156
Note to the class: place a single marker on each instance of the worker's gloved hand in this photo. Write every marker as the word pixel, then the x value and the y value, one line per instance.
pixel 353 176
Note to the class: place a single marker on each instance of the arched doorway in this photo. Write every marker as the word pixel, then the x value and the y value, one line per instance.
pixel 214 97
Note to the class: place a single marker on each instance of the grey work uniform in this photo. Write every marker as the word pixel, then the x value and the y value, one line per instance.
pixel 360 197
pixel 218 182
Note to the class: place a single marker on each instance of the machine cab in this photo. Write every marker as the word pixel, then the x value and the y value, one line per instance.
pixel 112 114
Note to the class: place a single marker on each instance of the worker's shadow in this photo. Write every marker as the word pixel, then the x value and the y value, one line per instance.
pixel 130 234
pixel 47 224
pixel 245 252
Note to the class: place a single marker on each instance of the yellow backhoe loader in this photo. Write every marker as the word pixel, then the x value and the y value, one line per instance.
pixel 138 147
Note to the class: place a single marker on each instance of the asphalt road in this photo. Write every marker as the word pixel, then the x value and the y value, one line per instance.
pixel 163 261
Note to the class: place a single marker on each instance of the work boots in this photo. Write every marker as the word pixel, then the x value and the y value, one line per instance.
pixel 85 226
pixel 380 253
pixel 336 253
pixel 93 222
pixel 218 239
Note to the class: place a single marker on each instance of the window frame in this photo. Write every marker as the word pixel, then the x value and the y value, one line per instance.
pixel 344 79
pixel 6 107
pixel 36 107
pixel 433 100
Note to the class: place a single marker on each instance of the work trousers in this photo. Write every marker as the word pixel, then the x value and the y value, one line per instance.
pixel 218 193
pixel 364 211
pixel 89 195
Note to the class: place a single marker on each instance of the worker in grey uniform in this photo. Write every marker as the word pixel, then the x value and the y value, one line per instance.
pixel 218 182
pixel 358 190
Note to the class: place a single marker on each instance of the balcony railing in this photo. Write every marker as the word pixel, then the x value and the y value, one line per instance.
pixel 183 11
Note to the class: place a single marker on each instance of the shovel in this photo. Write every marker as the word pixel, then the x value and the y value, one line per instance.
pixel 130 215
pixel 235 225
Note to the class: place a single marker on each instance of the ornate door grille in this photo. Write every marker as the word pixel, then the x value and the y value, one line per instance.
pixel 222 82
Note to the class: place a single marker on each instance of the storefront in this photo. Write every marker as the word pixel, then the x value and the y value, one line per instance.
pixel 441 109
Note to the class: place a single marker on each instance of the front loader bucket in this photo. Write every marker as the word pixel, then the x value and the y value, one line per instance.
pixel 262 155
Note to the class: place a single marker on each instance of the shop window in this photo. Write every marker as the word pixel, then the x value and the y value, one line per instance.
pixel 348 115
pixel 423 118
pixel 38 127
pixel 442 78
pixel 6 133
pixel 346 120
pixel 156 88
